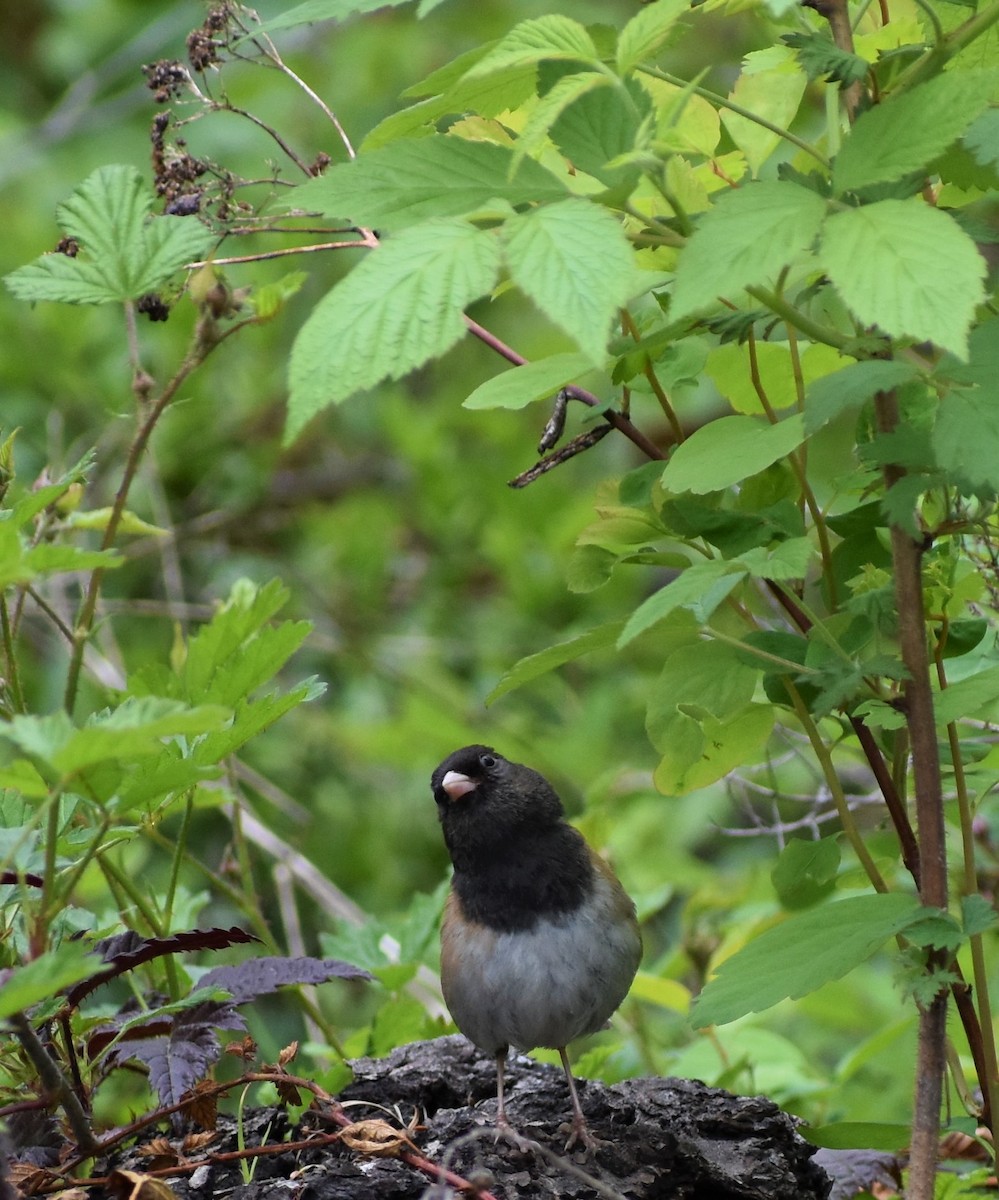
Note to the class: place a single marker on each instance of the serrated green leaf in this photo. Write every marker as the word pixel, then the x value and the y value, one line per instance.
pixel 550 107
pixel 982 139
pixel 846 390
pixel 907 133
pixel 771 86
pixel 55 559
pixel 977 914
pixel 966 438
pixel 700 588
pixel 537 380
pixel 648 32
pixel 398 308
pixel 748 237
pixel 125 252
pixel 821 57
pixel 603 126
pixel 46 975
pixel 729 449
pixel 413 180
pixel 884 260
pixel 801 954
pixel 537 40
pixel 535 665
pixel 574 261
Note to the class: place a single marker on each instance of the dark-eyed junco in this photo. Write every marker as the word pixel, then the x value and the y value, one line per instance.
pixel 539 942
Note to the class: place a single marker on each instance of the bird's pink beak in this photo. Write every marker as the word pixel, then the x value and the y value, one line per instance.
pixel 457 785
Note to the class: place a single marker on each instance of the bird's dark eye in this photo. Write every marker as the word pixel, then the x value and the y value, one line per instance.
pixel 487 761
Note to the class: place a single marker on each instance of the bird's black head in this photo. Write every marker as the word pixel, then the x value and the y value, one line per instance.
pixel 515 858
pixel 483 798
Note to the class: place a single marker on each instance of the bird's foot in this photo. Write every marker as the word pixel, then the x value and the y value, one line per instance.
pixel 505 1132
pixel 580 1135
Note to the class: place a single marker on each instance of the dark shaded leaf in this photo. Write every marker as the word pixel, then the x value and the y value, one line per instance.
pixel 855 1171
pixel 261 976
pixel 126 951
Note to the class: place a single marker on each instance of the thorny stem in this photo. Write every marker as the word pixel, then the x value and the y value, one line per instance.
pixel 928 786
pixel 55 1083
pixel 988 1069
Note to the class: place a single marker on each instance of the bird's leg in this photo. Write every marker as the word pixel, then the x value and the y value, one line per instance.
pixel 580 1130
pixel 501 1121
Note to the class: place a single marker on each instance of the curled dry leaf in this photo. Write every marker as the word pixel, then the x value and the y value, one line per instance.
pixel 377 1138
pixel 201 1105
pixel 246 1049
pixel 288 1054
pixel 133 1185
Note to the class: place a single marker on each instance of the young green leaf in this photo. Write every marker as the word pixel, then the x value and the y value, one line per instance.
pixel 647 32
pixel 884 260
pixel 906 133
pixel 748 237
pixel 700 588
pixel 537 380
pixel 550 107
pixel 802 953
pixel 412 180
pixel 726 450
pixel 400 307
pixel 24 986
pixel 124 252
pixel 573 260
pixel 537 40
pixel 848 389
pixel 771 86
pixel 535 665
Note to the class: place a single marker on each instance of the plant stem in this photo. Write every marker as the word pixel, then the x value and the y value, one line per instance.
pixel 54 1082
pixel 723 102
pixel 928 787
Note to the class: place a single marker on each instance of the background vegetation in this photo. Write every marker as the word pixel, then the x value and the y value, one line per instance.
pixel 424 578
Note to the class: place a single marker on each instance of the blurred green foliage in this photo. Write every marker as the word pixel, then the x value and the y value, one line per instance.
pixel 424 576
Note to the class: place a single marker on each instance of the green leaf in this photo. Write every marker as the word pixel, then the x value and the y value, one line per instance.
pixel 970 697
pixel 771 86
pixel 603 125
pixel 648 32
pixel 789 559
pixel 858 1135
pixel 805 871
pixel 982 139
pixel 977 915
pixel 884 260
pixel 321 10
pixel 822 58
pixel 558 655
pixel 125 252
pixel 688 764
pixel 398 308
pixel 573 260
pixel 46 975
pixel 726 451
pixel 537 40
pixel 413 180
pixel 55 559
pixel 748 237
pixel 801 954
pixel 700 588
pixel 907 133
pixel 537 380
pixel 848 389
pixel 966 438
pixel 550 107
